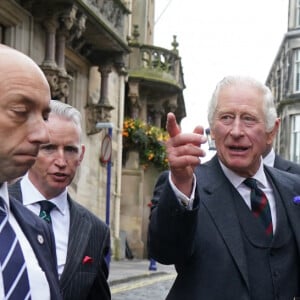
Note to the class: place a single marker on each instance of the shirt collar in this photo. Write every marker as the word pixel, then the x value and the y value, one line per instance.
pixel 236 180
pixel 269 159
pixel 32 195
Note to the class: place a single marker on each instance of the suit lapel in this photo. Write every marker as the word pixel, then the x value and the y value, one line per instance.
pixel 37 239
pixel 78 233
pixel 217 196
pixel 288 186
pixel 28 225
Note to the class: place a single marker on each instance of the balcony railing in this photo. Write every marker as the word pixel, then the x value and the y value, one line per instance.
pixel 151 62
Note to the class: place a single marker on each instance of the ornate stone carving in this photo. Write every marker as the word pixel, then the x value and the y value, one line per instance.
pixel 135 34
pixel 96 113
pixel 113 11
pixel 59 83
pixel 172 104
pixel 64 88
pixel 134 96
pixel 68 17
pixel 77 30
pixel 53 79
pixel 175 44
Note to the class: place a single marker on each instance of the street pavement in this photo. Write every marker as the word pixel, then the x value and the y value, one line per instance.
pixel 131 269
pixel 131 274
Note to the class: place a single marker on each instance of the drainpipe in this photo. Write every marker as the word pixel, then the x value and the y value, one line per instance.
pixel 117 194
pixel 108 184
pixel 109 126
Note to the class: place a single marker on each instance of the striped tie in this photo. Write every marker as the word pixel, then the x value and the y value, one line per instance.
pixel 13 267
pixel 260 205
pixel 46 207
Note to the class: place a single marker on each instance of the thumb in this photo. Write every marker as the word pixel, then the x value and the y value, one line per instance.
pixel 199 129
pixel 172 126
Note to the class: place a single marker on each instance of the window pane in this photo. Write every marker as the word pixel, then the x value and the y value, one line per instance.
pixel 298 14
pixel 297 71
pixel 295 138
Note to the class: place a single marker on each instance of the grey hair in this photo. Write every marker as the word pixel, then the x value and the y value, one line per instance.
pixel 68 112
pixel 269 108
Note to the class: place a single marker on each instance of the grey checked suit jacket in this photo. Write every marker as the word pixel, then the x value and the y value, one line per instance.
pixel 88 236
pixel 206 243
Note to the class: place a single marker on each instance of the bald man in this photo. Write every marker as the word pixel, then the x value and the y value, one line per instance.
pixel 27 254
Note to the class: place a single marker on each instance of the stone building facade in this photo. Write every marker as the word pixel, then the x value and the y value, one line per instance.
pixel 98 55
pixel 284 81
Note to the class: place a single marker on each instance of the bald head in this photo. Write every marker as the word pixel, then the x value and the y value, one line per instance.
pixel 24 107
pixel 13 59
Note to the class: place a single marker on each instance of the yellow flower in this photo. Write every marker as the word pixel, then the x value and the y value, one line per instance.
pixel 150 156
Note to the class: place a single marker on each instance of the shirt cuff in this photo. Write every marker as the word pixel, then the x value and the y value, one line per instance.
pixel 184 200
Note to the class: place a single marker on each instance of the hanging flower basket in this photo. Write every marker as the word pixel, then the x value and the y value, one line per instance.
pixel 148 140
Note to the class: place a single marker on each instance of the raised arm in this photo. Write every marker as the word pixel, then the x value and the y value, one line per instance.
pixel 184 153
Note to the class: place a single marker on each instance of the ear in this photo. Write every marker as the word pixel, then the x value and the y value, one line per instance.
pixel 82 153
pixel 212 133
pixel 272 134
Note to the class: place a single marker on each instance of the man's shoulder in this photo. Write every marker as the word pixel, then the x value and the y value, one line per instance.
pixel 282 176
pixel 286 165
pixel 14 190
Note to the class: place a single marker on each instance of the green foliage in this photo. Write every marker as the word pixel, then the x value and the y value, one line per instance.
pixel 148 140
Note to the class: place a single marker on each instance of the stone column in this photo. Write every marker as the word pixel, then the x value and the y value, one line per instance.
pixel 158 113
pixel 49 65
pixel 104 70
pixel 50 26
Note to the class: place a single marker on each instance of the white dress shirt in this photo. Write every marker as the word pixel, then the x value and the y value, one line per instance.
pixel 269 159
pixel 39 286
pixel 262 183
pixel 237 182
pixel 60 216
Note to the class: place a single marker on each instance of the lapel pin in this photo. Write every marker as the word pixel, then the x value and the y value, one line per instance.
pixel 40 239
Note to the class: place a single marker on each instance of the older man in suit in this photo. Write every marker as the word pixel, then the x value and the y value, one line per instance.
pixel 82 239
pixel 27 251
pixel 231 225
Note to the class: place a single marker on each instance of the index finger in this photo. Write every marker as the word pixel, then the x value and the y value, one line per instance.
pixel 172 126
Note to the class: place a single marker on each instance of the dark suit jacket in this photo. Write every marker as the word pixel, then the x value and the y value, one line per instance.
pixel 33 227
pixel 206 243
pixel 88 236
pixel 286 165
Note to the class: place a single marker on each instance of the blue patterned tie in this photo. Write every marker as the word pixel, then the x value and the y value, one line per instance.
pixel 46 207
pixel 13 267
pixel 260 205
